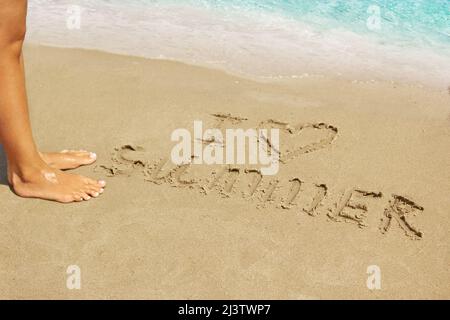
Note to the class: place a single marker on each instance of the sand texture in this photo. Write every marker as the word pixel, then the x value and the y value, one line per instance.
pixel 364 180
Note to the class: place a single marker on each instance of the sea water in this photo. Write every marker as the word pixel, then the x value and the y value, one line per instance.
pixel 394 40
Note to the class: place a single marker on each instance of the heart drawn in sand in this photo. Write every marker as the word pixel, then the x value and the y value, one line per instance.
pixel 301 138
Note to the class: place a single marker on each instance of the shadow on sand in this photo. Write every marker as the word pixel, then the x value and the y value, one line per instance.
pixel 3 175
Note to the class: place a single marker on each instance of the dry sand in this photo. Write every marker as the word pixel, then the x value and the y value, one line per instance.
pixel 188 233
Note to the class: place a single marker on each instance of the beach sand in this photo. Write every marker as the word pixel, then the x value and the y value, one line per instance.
pixel 213 232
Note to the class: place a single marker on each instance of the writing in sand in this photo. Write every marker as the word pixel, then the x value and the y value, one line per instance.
pixel 279 192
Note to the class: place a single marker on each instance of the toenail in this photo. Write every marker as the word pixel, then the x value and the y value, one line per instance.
pixel 102 183
pixel 96 194
pixel 102 190
pixel 93 155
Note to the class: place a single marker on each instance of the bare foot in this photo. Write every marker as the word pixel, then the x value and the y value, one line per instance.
pixel 69 159
pixel 51 184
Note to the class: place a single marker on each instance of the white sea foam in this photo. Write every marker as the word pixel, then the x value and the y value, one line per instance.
pixel 252 43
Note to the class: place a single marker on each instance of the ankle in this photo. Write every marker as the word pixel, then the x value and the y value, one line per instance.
pixel 23 174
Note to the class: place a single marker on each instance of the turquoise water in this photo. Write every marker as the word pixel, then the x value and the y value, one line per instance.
pixel 418 22
pixel 394 40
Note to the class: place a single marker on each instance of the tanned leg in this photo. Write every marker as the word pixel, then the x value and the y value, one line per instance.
pixel 28 174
